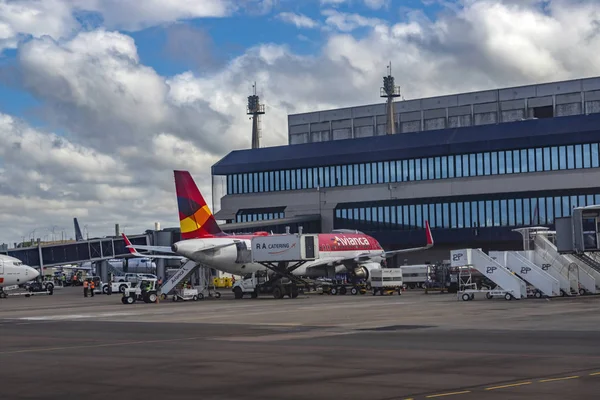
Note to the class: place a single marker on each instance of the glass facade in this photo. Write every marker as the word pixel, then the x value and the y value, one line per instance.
pixel 259 214
pixel 508 210
pixel 516 161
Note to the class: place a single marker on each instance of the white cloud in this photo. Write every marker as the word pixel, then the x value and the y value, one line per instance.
pixel 300 20
pixel 126 127
pixel 346 22
pixel 376 4
pixel 56 17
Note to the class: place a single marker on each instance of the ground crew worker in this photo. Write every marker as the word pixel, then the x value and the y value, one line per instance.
pixel 109 287
pixel 92 287
pixel 85 288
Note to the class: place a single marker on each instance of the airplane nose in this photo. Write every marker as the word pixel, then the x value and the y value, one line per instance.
pixel 34 273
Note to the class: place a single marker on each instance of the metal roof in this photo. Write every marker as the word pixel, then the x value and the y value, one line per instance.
pixel 505 136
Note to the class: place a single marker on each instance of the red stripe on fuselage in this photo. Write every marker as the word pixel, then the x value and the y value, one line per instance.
pixel 331 241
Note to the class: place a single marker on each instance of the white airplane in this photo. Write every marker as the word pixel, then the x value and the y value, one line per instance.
pixel 204 242
pixel 14 272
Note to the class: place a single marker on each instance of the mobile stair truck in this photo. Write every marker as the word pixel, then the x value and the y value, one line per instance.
pixel 281 255
pixel 508 285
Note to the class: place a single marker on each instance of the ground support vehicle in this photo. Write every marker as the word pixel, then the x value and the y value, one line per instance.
pixel 30 289
pixel 187 294
pixel 387 281
pixel 261 282
pixel 145 290
pixel 117 287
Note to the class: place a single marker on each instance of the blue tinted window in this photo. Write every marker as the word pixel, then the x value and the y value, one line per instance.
pixel 399 176
pixel 528 160
pixel 374 173
pixel 562 157
pixel 411 170
pixel 293 181
pixel 419 217
pixel 555 159
pixel 405 171
pixel 501 163
pixel 595 160
pixel 481 216
pixel 393 171
pixel 380 172
pixel 547 159
pixel 288 179
pixel 518 212
pixel 570 157
pixel 539 161
pixel 578 156
pixel 386 172
pixel 446 214
pixel 460 220
pixel 451 167
pixel 487 165
pixel 430 168
pixel 473 171
pixel 587 153
pixel 438 168
pixel 516 161
pixel 459 169
pixel 549 210
pixel 496 212
pixel 467 213
pixel 509 162
pixel 526 212
pixel 511 212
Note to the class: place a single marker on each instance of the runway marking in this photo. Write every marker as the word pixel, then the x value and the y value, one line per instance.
pixel 595 373
pixel 448 394
pixel 93 346
pixel 509 385
pixel 560 379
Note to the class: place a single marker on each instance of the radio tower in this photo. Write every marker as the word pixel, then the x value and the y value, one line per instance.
pixel 390 91
pixel 256 110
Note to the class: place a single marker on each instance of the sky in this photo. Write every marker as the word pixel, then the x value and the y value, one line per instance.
pixel 100 100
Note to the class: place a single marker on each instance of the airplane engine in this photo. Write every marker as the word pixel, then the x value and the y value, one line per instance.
pixel 364 271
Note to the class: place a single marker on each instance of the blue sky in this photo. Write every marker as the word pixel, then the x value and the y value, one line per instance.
pixel 226 37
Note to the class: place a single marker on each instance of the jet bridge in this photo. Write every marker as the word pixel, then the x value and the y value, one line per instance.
pixel 494 271
pixel 528 271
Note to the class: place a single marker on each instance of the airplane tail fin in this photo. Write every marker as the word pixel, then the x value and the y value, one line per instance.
pixel 195 218
pixel 131 249
pixel 78 235
pixel 429 235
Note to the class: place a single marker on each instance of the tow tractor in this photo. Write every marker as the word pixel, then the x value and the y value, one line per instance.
pixel 144 290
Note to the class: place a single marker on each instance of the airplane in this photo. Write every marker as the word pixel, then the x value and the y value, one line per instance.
pixel 203 241
pixel 14 272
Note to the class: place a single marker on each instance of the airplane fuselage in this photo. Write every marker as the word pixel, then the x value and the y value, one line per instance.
pixel 14 272
pixel 237 260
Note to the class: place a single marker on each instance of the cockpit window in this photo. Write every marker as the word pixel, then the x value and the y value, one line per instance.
pixel 17 263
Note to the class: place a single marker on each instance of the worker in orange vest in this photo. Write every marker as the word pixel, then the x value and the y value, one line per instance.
pixel 92 287
pixel 85 288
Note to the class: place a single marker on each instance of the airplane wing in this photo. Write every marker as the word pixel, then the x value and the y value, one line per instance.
pixel 160 249
pixel 392 253
pixel 165 249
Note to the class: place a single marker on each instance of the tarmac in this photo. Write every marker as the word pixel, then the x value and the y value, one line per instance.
pixel 413 346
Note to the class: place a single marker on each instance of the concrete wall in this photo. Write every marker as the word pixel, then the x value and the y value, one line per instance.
pixel 303 202
pixel 477 108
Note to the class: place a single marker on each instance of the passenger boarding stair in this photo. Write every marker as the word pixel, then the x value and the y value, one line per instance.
pixel 580 281
pixel 493 270
pixel 528 271
pixel 182 274
pixel 587 264
pixel 563 281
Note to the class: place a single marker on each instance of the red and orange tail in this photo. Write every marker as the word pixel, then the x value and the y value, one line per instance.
pixel 195 218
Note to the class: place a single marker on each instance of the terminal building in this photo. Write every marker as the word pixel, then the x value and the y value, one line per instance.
pixel 475 165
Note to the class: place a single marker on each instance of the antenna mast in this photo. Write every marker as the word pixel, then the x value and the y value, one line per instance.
pixel 389 91
pixel 256 110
